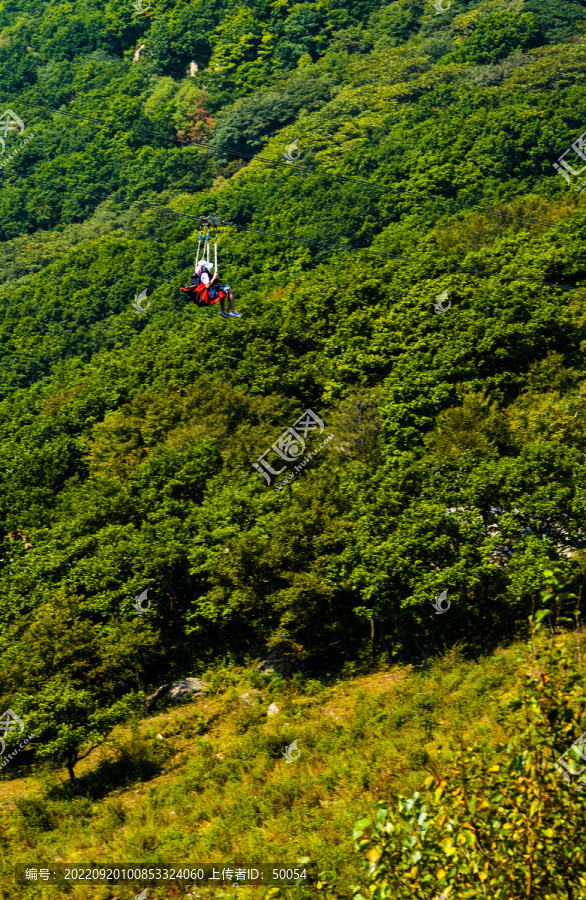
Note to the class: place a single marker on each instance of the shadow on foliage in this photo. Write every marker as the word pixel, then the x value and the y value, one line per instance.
pixel 137 759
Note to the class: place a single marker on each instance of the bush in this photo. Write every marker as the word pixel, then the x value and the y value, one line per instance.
pixel 437 46
pixel 505 826
pixel 36 814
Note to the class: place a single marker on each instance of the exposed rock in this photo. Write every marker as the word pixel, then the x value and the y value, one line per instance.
pixel 277 661
pixel 249 698
pixel 187 686
pixel 177 690
pixel 272 710
pixel 150 701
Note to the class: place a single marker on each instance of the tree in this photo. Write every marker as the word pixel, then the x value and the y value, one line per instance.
pixel 68 722
pixel 556 19
pixel 503 825
pixel 497 36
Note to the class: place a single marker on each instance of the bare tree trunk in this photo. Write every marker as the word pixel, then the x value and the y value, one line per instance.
pixel 70 763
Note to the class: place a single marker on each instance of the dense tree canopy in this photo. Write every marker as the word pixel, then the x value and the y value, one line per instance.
pixel 128 442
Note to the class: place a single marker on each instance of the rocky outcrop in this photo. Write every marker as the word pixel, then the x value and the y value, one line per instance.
pixel 250 699
pixel 278 661
pixel 178 690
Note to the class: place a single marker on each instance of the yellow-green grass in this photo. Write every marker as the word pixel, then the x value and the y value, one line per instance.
pixel 215 787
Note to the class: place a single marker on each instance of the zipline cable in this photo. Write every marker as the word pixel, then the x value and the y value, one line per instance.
pixel 328 244
pixel 350 248
pixel 207 147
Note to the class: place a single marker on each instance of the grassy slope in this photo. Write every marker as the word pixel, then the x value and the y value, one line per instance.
pixel 223 791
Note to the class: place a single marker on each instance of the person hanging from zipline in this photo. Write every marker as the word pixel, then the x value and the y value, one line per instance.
pixel 206 289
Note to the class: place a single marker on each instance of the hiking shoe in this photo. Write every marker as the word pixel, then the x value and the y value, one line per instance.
pixel 235 314
pixel 223 314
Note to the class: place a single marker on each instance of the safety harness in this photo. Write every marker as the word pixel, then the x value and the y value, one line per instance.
pixel 201 293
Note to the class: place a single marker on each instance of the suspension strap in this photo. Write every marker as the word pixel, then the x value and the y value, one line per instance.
pixel 216 251
pixel 207 244
pixel 198 248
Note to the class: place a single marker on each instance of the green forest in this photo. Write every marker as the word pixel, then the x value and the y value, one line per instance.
pixel 377 470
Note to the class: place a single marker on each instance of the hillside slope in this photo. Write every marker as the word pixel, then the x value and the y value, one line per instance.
pixel 397 417
pixel 208 780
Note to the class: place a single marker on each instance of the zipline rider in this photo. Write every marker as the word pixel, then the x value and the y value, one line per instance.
pixel 205 289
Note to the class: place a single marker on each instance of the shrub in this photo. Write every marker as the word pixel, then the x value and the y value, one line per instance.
pixel 505 826
pixel 36 814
